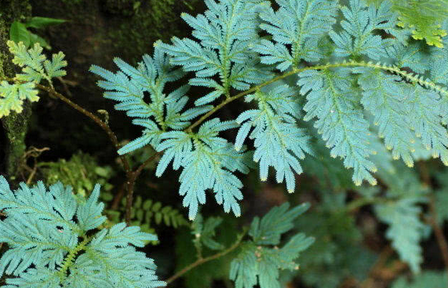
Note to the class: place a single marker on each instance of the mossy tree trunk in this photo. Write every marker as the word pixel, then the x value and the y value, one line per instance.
pixel 15 125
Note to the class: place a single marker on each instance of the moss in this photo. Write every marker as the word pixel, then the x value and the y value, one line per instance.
pixel 153 20
pixel 121 7
pixel 15 125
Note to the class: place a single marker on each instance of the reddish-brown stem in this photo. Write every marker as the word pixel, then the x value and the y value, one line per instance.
pixel 118 197
pixel 130 175
pixel 438 232
pixel 131 183
pixel 104 126
pixel 201 261
pixel 441 240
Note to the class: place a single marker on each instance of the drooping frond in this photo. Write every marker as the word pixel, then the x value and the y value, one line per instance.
pixel 402 213
pixel 208 162
pixel 279 143
pixel 384 96
pixel 333 101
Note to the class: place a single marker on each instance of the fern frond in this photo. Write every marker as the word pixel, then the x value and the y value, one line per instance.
pixel 300 24
pixel 277 221
pixel 128 87
pixel 145 213
pixel 358 37
pixel 205 232
pixel 258 263
pixel 35 65
pixel 42 229
pixel 332 100
pixel 413 56
pixel 208 162
pixel 151 136
pixel 426 121
pixel 384 97
pixel 13 95
pixel 225 31
pixel 89 213
pixel 278 141
pixel 403 215
pixel 424 18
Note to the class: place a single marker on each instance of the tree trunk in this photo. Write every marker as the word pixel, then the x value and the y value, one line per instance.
pixel 15 125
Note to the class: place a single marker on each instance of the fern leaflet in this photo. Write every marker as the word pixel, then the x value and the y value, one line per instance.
pixel 43 231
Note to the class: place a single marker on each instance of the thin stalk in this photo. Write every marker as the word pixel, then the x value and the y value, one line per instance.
pixel 392 69
pixel 438 232
pixel 201 261
pixel 441 240
pixel 113 138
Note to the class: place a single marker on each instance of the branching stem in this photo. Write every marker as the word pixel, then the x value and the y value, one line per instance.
pixel 70 258
pixel 392 69
pixel 201 260
pixel 438 232
pixel 113 138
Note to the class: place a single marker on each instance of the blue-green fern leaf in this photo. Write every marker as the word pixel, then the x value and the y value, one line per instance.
pixel 358 37
pixel 225 31
pixel 258 262
pixel 299 23
pixel 43 229
pixel 208 162
pixel 279 143
pixel 402 213
pixel 128 87
pixel 333 101
pixel 384 96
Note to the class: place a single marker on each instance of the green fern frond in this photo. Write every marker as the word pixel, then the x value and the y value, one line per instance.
pixel 402 212
pixel 13 95
pixel 424 18
pixel 35 67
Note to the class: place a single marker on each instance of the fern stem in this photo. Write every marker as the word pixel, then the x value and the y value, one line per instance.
pixel 432 219
pixel 438 232
pixel 113 138
pixel 130 175
pixel 68 261
pixel 131 182
pixel 201 261
pixel 392 69
pixel 361 202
